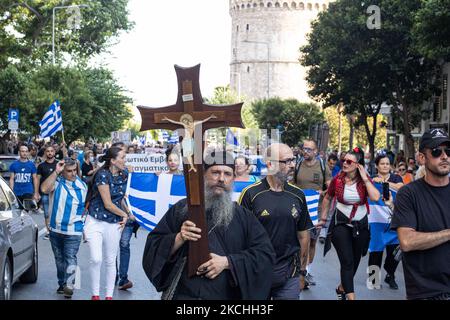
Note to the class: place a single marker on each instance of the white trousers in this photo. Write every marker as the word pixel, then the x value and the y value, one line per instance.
pixel 102 235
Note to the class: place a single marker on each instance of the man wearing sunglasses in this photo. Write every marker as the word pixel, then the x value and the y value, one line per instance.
pixel 422 220
pixel 282 210
pixel 311 173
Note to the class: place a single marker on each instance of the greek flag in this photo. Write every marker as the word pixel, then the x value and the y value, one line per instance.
pixel 379 222
pixel 51 123
pixel 312 201
pixel 231 139
pixel 142 141
pixel 174 138
pixel 150 196
pixel 165 135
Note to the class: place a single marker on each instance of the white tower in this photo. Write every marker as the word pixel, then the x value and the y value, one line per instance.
pixel 265 42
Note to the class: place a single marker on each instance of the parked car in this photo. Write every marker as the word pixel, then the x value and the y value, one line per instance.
pixel 18 242
pixel 5 162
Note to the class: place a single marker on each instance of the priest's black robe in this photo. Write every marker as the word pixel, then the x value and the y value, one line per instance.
pixel 245 243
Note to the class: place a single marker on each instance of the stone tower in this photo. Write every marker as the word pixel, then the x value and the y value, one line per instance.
pixel 265 42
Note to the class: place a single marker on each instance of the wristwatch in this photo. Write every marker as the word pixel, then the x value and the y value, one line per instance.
pixel 303 273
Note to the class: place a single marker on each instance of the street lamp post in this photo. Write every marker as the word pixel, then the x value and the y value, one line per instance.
pixel 268 62
pixel 53 24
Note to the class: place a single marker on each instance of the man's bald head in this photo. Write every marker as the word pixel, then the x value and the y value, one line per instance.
pixel 275 150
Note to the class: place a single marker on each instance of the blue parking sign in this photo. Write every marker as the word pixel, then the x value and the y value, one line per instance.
pixel 13 115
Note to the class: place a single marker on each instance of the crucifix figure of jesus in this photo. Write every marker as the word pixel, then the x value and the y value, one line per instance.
pixel 195 116
pixel 187 144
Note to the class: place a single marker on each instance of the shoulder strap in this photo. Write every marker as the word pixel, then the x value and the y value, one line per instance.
pixel 298 164
pixel 322 168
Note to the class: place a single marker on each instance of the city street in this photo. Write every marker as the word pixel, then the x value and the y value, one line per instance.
pixel 326 272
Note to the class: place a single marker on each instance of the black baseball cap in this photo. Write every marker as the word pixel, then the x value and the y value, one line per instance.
pixel 433 138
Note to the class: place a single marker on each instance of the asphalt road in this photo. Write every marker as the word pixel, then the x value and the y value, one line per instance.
pixel 326 272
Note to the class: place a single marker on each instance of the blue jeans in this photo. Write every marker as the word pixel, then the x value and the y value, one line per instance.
pixel 65 249
pixel 125 253
pixel 289 291
pixel 45 203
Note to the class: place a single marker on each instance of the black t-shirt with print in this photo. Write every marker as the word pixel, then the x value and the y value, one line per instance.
pixel 282 214
pixel 424 208
pixel 45 169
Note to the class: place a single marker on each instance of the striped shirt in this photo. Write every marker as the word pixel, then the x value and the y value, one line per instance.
pixel 67 206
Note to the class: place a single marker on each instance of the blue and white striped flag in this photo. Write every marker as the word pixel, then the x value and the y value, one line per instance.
pixel 150 196
pixel 379 221
pixel 231 138
pixel 174 138
pixel 165 135
pixel 51 123
pixel 312 201
pixel 142 141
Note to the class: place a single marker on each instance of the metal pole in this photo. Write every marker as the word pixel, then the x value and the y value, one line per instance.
pixel 268 70
pixel 53 36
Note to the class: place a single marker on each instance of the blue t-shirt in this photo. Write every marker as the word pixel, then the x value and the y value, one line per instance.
pixel 23 177
pixel 117 187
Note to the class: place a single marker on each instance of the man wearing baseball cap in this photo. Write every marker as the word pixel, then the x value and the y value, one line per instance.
pixel 422 220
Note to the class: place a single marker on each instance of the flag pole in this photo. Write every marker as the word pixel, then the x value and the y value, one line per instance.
pixel 62 132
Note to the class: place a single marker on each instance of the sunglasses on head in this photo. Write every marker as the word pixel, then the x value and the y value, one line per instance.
pixel 437 152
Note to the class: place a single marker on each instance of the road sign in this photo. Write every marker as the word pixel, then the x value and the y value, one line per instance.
pixel 13 115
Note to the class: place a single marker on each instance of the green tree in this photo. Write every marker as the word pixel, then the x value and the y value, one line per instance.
pixel 432 29
pixel 224 95
pixel 26 29
pixel 293 117
pixel 92 103
pixel 364 68
pixel 13 84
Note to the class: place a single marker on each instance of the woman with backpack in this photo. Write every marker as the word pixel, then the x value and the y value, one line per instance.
pixel 106 218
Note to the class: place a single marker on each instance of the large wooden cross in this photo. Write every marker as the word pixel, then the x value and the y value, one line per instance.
pixel 190 112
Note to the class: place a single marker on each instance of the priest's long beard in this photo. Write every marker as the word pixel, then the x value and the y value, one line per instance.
pixel 219 208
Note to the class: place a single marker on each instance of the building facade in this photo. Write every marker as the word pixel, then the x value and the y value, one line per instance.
pixel 265 42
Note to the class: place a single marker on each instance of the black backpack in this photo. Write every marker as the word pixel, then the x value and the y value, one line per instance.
pixel 298 164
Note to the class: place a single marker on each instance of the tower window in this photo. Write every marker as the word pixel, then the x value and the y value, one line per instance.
pixel 248 69
pixel 248 27
pixel 237 28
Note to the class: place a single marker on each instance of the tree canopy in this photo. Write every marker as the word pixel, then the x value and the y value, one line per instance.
pixel 292 117
pixel 363 67
pixel 26 29
pixel 92 103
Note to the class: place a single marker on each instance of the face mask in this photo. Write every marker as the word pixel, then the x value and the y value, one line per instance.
pixel 91 159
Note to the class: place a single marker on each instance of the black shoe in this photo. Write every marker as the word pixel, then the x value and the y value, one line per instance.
pixel 321 240
pixel 60 290
pixel 390 280
pixel 68 292
pixel 340 294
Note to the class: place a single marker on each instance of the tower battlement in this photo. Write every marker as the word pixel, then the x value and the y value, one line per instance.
pixel 241 5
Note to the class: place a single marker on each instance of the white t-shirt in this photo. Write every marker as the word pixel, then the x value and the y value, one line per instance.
pixel 351 196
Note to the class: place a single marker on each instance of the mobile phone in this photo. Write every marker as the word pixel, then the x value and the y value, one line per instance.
pixel 386 190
